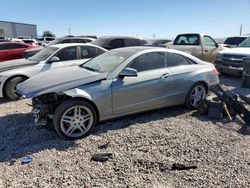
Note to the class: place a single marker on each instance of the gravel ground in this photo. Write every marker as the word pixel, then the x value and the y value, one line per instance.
pixel 144 147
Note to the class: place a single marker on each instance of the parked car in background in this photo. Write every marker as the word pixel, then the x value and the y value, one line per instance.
pixel 16 40
pixel 52 57
pixel 157 42
pixel 44 41
pixel 201 46
pixel 63 40
pixel 32 42
pixel 233 42
pixel 113 42
pixel 4 40
pixel 231 61
pixel 12 50
pixel 119 82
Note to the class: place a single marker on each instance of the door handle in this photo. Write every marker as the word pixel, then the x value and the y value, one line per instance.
pixel 165 75
pixel 205 50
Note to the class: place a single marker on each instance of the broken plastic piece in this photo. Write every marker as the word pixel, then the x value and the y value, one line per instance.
pixel 101 157
pixel 26 160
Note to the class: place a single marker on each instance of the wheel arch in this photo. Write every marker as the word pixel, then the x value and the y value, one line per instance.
pixel 11 77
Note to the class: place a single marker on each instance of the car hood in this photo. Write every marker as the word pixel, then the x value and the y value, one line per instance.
pixel 39 48
pixel 58 80
pixel 238 51
pixel 14 64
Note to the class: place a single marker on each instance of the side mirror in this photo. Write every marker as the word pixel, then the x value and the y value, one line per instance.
pixel 216 45
pixel 54 59
pixel 128 72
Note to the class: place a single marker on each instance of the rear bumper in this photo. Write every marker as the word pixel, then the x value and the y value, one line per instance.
pixel 228 69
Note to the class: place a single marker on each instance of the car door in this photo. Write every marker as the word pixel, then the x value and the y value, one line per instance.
pixel 67 57
pixel 149 89
pixel 17 50
pixel 182 70
pixel 4 52
pixel 210 49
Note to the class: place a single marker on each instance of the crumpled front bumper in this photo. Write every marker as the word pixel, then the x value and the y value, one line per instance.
pixel 41 114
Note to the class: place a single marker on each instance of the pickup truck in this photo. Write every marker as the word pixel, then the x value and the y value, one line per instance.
pixel 201 46
pixel 231 61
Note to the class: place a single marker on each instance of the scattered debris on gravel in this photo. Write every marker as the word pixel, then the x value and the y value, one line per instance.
pixel 171 147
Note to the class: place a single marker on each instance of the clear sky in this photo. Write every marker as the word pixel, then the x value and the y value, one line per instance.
pixel 164 18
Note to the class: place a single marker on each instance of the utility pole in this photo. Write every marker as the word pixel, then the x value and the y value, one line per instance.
pixel 241 26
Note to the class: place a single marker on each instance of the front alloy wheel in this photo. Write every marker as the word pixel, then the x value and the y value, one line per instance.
pixel 74 119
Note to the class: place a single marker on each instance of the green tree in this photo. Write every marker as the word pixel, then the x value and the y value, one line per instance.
pixel 48 34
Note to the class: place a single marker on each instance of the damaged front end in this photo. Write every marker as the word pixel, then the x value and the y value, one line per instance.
pixel 44 107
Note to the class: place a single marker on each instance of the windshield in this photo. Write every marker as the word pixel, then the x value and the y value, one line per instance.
pixel 150 42
pixel 234 40
pixel 245 43
pixel 108 61
pixel 56 41
pixel 28 41
pixel 44 54
pixel 100 42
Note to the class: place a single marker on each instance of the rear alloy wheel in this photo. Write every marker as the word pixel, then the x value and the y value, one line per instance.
pixel 196 96
pixel 10 88
pixel 74 119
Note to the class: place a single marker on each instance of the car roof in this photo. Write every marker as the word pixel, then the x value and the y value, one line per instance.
pixel 145 48
pixel 73 37
pixel 148 49
pixel 15 43
pixel 73 44
pixel 124 37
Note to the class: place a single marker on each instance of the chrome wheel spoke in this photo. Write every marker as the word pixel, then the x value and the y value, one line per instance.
pixel 77 111
pixel 67 119
pixel 82 128
pixel 86 117
pixel 71 129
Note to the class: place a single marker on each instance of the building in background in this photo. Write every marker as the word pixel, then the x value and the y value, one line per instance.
pixel 14 29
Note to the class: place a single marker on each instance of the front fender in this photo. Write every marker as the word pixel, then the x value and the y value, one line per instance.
pixel 77 93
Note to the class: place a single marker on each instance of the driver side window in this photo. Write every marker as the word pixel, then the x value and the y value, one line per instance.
pixel 149 61
pixel 67 54
pixel 208 41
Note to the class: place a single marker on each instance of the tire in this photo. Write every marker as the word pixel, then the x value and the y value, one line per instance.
pixel 191 97
pixel 70 124
pixel 10 87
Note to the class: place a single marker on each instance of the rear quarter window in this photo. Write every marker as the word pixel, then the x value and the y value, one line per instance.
pixel 174 60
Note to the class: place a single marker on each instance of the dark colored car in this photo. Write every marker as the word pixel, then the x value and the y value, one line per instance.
pixel 114 42
pixel 12 50
pixel 62 40
pixel 233 42
pixel 157 42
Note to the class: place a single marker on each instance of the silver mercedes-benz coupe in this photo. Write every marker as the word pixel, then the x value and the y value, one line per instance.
pixel 119 82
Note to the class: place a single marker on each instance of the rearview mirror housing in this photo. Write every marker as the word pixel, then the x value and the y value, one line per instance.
pixel 54 59
pixel 129 72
